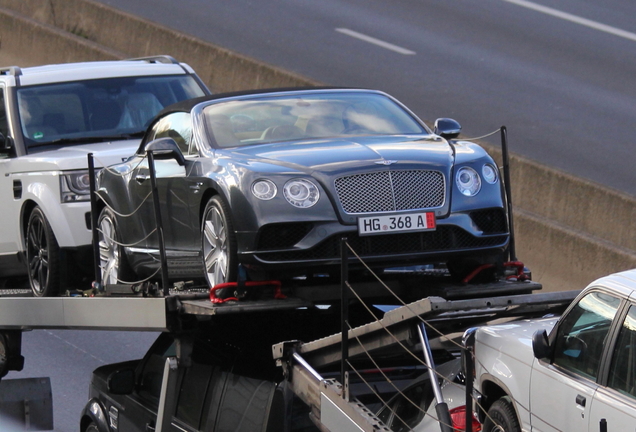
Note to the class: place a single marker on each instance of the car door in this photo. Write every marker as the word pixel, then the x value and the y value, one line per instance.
pixel 615 403
pixel 9 232
pixel 561 391
pixel 173 185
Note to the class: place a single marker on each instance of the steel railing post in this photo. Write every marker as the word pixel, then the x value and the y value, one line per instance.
pixel 94 218
pixel 157 207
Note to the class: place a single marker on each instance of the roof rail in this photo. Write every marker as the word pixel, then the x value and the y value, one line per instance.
pixel 157 59
pixel 11 70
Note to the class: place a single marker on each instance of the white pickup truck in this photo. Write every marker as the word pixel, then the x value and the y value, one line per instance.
pixel 576 372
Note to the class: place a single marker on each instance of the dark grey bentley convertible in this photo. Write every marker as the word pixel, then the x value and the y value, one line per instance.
pixel 272 179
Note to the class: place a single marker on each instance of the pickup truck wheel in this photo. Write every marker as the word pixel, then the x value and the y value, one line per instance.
pixel 112 258
pixel 218 243
pixel 42 255
pixel 501 417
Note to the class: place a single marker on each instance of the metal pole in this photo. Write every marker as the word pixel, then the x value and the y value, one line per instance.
pixel 94 218
pixel 506 171
pixel 443 415
pixel 344 314
pixel 468 366
pixel 162 247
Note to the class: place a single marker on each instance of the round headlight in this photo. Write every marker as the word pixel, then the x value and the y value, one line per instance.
pixel 264 189
pixel 301 193
pixel 490 173
pixel 468 181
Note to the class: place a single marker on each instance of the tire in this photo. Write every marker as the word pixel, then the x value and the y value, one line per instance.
pixel 501 417
pixel 218 243
pixel 112 258
pixel 42 255
pixel 92 427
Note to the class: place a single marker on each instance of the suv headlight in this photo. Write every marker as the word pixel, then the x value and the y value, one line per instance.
pixel 301 193
pixel 75 186
pixel 468 181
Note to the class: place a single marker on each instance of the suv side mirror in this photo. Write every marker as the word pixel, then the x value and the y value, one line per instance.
pixel 541 345
pixel 166 148
pixel 5 142
pixel 447 128
pixel 121 382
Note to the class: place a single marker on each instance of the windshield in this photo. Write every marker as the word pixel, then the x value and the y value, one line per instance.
pixel 94 110
pixel 308 116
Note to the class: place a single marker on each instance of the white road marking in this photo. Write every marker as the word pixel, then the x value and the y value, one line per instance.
pixel 575 19
pixel 375 41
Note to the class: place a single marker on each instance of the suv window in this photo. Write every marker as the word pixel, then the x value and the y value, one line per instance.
pixel 622 375
pixel 582 336
pixel 102 108
pixel 4 126
pixel 151 376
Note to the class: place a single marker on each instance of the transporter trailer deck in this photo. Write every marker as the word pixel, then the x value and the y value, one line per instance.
pixel 331 406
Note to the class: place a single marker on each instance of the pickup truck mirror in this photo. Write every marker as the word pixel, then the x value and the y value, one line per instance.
pixel 447 128
pixel 166 148
pixel 121 382
pixel 540 344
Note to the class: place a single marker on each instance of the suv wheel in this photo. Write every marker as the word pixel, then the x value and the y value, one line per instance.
pixel 43 256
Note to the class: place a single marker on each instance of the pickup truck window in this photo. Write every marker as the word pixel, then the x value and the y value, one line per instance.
pixel 581 336
pixel 622 375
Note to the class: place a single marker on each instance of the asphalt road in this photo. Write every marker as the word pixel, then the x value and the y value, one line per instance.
pixel 69 357
pixel 559 74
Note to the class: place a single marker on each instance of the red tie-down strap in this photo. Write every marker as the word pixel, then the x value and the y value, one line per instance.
pixel 518 265
pixel 278 294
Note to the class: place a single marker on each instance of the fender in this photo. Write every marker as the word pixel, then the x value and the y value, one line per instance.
pixel 96 412
pixel 59 215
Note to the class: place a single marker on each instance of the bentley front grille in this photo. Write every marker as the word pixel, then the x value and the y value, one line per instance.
pixel 387 191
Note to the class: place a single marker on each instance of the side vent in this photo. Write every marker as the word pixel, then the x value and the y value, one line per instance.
pixel 17 189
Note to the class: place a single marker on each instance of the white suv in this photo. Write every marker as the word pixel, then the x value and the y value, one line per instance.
pixel 573 373
pixel 51 117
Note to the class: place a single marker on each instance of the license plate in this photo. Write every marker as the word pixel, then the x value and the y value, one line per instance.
pixel 396 223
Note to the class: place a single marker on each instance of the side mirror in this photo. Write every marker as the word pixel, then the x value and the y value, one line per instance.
pixel 447 128
pixel 121 382
pixel 166 148
pixel 541 345
pixel 5 142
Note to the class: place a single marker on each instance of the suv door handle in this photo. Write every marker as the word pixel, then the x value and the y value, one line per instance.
pixel 580 400
pixel 150 427
pixel 140 178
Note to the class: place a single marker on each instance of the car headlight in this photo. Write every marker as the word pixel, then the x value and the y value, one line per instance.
pixel 468 181
pixel 75 186
pixel 301 193
pixel 490 173
pixel 264 189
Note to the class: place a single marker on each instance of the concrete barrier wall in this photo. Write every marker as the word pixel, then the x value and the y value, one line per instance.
pixel 131 36
pixel 569 231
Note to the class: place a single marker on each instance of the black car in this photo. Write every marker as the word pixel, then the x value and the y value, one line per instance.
pixel 223 389
pixel 273 180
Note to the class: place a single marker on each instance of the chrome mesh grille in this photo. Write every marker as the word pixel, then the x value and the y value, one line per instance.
pixel 387 191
